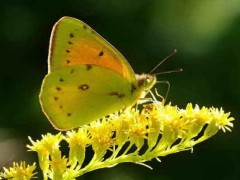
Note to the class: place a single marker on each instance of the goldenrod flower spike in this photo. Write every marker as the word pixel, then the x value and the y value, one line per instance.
pixel 129 136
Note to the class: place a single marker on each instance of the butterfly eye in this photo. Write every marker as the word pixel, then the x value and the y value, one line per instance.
pixel 148 79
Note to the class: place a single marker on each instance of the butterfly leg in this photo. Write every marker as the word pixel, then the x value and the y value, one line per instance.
pixel 168 88
pixel 144 100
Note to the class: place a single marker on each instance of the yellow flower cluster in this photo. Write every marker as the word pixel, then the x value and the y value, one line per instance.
pixel 129 136
pixel 19 172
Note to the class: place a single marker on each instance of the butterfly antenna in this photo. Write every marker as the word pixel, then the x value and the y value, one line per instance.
pixel 170 55
pixel 171 71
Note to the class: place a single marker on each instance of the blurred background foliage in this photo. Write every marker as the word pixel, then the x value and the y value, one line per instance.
pixel 205 33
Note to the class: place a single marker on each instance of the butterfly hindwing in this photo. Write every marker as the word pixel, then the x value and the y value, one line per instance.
pixel 77 95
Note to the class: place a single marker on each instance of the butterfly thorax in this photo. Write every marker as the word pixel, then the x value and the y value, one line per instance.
pixel 145 81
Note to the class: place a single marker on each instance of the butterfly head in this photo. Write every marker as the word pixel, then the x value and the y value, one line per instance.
pixel 146 81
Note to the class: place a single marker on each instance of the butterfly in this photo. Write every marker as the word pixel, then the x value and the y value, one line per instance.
pixel 87 77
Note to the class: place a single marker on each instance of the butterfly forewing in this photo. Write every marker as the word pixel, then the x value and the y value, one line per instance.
pixel 75 43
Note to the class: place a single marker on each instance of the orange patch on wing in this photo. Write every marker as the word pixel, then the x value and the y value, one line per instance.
pixel 89 52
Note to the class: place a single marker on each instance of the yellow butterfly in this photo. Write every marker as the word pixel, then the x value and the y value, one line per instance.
pixel 87 77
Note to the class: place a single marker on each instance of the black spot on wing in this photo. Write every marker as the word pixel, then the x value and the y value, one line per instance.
pixel 84 26
pixel 71 35
pixel 70 42
pixel 56 98
pixel 117 94
pixel 69 114
pixel 101 53
pixel 61 79
pixel 89 67
pixel 68 51
pixel 68 61
pixel 58 88
pixel 83 87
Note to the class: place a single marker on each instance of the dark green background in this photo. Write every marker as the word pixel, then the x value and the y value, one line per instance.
pixel 205 33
